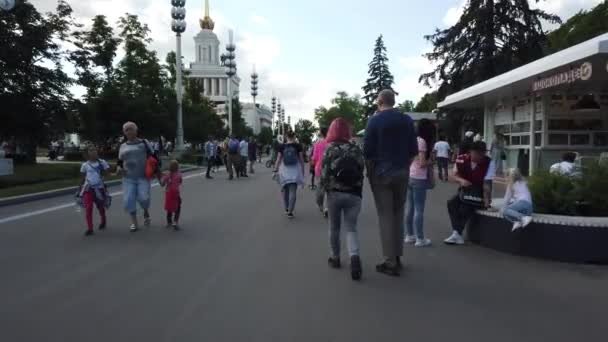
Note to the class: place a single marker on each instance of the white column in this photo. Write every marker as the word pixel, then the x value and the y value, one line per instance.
pixel 213 89
pixel 216 81
pixel 223 85
pixel 532 136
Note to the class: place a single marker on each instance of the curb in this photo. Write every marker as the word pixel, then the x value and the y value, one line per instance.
pixel 5 202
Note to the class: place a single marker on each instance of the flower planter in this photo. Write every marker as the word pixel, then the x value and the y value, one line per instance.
pixel 561 238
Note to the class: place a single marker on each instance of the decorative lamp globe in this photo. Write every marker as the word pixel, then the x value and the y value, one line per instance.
pixel 7 5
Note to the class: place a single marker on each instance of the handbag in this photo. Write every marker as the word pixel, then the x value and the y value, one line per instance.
pixel 472 196
pixel 152 162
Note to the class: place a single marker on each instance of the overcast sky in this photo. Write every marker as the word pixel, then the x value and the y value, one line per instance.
pixel 306 51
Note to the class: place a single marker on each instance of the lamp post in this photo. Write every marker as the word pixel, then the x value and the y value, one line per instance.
pixel 230 65
pixel 178 25
pixel 274 110
pixel 254 91
pixel 280 112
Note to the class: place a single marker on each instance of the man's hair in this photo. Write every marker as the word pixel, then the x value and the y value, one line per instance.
pixel 291 135
pixel 569 157
pixel 442 137
pixel 479 146
pixel 388 97
pixel 323 131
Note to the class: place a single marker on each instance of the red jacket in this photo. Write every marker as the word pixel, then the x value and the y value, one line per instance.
pixel 475 176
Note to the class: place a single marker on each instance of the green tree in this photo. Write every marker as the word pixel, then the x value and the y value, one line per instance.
pixel 200 117
pixel 581 27
pixel 33 86
pixel 380 77
pixel 407 106
pixel 427 103
pixel 343 105
pixel 265 136
pixel 490 38
pixel 305 130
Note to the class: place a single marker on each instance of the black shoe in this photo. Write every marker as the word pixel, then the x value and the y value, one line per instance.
pixel 245 176
pixel 231 178
pixel 326 213
pixel 334 262
pixel 175 227
pixel 399 264
pixel 355 267
pixel 290 216
pixel 102 226
pixel 388 268
pixel 208 177
pixel 89 232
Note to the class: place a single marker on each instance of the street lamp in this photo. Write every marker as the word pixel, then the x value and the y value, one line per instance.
pixel 178 25
pixel 281 126
pixel 274 110
pixel 230 65
pixel 254 90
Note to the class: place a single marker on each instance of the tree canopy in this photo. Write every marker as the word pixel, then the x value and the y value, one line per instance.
pixel 581 27
pixel 348 107
pixel 380 77
pixel 305 130
pixel 490 38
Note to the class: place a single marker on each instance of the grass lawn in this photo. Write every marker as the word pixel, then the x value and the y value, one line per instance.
pixel 40 177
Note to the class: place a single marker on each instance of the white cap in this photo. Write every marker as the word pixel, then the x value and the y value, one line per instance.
pixel 469 134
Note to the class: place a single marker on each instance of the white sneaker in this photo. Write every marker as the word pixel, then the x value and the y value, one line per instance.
pixel 423 243
pixel 516 226
pixel 525 221
pixel 454 239
pixel 409 239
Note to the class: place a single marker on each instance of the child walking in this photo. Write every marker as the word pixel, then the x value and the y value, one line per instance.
pixel 518 201
pixel 92 188
pixel 172 182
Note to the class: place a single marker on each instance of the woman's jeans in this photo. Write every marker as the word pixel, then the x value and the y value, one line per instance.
pixel 135 190
pixel 289 196
pixel 515 211
pixel 339 203
pixel 414 212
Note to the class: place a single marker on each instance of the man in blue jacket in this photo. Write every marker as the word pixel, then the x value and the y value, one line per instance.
pixel 389 147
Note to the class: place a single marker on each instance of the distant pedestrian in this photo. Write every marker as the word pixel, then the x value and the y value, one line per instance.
pixel 132 164
pixel 317 161
pixel 389 147
pixel 93 190
pixel 497 152
pixel 290 169
pixel 233 158
pixel 567 167
pixel 421 180
pixel 342 179
pixel 442 153
pixel 474 173
pixel 244 152
pixel 518 201
pixel 172 182
pixel 253 154
pixel 210 150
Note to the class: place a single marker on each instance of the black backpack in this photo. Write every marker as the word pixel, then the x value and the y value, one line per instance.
pixel 347 171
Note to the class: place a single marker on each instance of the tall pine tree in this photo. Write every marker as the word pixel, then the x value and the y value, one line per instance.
pixel 380 77
pixel 490 38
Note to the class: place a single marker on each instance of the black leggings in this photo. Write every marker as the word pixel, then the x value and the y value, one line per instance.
pixel 174 217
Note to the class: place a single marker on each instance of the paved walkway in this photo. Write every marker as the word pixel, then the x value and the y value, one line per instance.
pixel 240 271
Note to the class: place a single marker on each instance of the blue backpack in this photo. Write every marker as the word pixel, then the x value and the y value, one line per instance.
pixel 233 146
pixel 290 155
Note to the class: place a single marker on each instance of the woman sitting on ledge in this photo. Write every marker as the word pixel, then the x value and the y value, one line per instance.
pixel 518 201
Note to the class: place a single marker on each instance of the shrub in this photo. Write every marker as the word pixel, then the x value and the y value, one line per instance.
pixel 561 195
pixel 74 156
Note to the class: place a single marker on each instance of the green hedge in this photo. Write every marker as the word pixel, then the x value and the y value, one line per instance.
pixel 39 173
pixel 586 195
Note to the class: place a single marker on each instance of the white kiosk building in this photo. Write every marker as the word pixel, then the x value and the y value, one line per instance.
pixel 257 116
pixel 556 104
pixel 207 67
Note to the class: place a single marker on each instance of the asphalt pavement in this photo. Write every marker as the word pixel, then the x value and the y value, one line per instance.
pixel 241 271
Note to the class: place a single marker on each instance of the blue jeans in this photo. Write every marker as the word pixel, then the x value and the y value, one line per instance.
pixel 515 211
pixel 289 196
pixel 414 212
pixel 135 190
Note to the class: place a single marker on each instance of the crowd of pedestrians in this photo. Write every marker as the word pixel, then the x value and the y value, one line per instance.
pixel 397 157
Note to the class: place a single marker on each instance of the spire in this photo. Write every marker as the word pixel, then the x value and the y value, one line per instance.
pixel 207 23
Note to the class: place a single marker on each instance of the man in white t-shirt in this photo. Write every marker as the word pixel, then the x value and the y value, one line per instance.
pixel 442 153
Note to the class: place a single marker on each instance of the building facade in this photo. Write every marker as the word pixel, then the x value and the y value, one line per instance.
pixel 554 105
pixel 207 67
pixel 257 116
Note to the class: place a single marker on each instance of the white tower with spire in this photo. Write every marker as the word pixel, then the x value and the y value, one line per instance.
pixel 207 67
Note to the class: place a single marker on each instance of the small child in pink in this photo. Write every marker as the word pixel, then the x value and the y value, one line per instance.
pixel 172 182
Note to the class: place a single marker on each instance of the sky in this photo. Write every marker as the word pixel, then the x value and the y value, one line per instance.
pixel 306 51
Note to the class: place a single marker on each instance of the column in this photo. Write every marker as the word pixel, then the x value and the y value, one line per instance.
pixel 532 153
pixel 223 91
pixel 217 86
pixel 212 81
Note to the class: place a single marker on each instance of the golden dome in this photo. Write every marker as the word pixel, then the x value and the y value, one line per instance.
pixel 207 23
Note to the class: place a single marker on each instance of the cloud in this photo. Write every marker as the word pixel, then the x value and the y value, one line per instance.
pixel 259 20
pixel 407 74
pixel 453 14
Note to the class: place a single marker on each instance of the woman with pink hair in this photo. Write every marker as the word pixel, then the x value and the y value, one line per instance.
pixel 342 180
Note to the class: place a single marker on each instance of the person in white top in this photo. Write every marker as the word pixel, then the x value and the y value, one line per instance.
pixel 566 167
pixel 518 201
pixel 244 152
pixel 442 154
pixel 92 190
